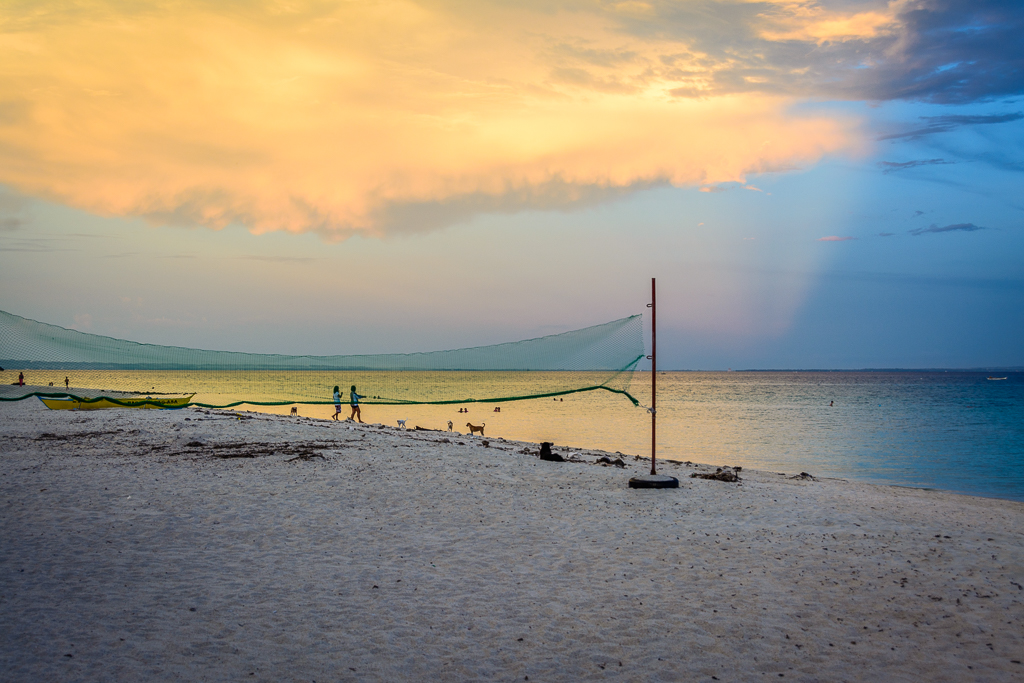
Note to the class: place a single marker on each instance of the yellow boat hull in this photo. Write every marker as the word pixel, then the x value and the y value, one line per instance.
pixel 103 403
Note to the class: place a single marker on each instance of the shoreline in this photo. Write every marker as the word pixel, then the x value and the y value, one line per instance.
pixel 325 409
pixel 221 545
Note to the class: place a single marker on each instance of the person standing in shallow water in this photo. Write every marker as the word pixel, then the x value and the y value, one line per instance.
pixel 337 403
pixel 354 399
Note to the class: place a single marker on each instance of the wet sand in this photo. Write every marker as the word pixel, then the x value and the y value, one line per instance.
pixel 212 545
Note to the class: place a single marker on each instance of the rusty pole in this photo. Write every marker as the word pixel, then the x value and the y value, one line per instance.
pixel 654 377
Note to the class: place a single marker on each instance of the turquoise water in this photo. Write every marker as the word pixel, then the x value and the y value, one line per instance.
pixel 956 431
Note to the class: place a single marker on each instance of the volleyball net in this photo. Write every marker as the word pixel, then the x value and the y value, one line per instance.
pixel 56 362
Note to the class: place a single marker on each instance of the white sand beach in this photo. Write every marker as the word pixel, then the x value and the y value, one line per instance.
pixel 220 546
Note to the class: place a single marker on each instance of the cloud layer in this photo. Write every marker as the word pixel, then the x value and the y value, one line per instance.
pixel 402 116
pixel 956 227
pixel 942 51
pixel 890 166
pixel 946 124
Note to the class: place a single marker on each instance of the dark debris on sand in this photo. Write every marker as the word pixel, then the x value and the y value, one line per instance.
pixel 727 474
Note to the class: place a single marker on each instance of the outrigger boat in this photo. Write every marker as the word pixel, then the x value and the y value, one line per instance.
pixel 75 403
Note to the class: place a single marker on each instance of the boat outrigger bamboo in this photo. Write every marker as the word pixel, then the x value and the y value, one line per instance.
pixel 100 403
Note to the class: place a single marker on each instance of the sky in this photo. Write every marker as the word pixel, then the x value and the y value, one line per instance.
pixel 814 184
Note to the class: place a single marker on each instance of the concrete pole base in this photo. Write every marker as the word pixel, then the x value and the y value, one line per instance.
pixel 654 481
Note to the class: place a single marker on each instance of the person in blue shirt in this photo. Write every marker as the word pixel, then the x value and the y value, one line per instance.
pixel 355 405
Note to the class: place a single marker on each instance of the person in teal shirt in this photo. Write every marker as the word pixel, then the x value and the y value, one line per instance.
pixel 355 404
pixel 337 403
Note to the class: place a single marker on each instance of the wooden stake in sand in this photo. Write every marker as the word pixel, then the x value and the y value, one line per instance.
pixel 654 480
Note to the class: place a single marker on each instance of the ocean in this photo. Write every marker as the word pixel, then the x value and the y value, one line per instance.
pixel 954 431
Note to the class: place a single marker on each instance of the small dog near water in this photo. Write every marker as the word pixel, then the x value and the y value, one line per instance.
pixel 473 429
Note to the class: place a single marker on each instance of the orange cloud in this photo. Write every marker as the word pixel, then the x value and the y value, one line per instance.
pixel 346 118
pixel 806 20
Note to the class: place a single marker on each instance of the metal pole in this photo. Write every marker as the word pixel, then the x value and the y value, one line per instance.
pixel 654 376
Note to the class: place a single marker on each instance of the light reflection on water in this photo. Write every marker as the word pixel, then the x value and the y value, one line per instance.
pixel 955 431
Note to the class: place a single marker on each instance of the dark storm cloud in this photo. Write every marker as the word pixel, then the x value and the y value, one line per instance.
pixel 941 51
pixel 953 52
pixel 956 227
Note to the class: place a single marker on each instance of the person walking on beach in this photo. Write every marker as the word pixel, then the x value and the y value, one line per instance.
pixel 337 403
pixel 355 405
pixel 67 383
pixel 21 379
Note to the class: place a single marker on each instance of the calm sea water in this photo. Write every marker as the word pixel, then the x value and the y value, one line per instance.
pixel 956 431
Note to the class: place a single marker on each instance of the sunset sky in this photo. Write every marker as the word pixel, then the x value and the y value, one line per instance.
pixel 815 184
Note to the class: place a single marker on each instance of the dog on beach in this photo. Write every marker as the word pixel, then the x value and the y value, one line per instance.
pixel 450 425
pixel 473 429
pixel 401 423
pixel 295 410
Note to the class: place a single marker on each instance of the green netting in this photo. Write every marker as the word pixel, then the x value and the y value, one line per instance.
pixel 602 357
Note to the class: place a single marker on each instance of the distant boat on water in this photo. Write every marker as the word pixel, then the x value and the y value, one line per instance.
pixel 995 378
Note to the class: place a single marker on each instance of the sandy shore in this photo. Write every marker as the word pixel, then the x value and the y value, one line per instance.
pixel 200 545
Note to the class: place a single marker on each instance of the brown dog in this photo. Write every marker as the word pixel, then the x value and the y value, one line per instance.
pixel 473 429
